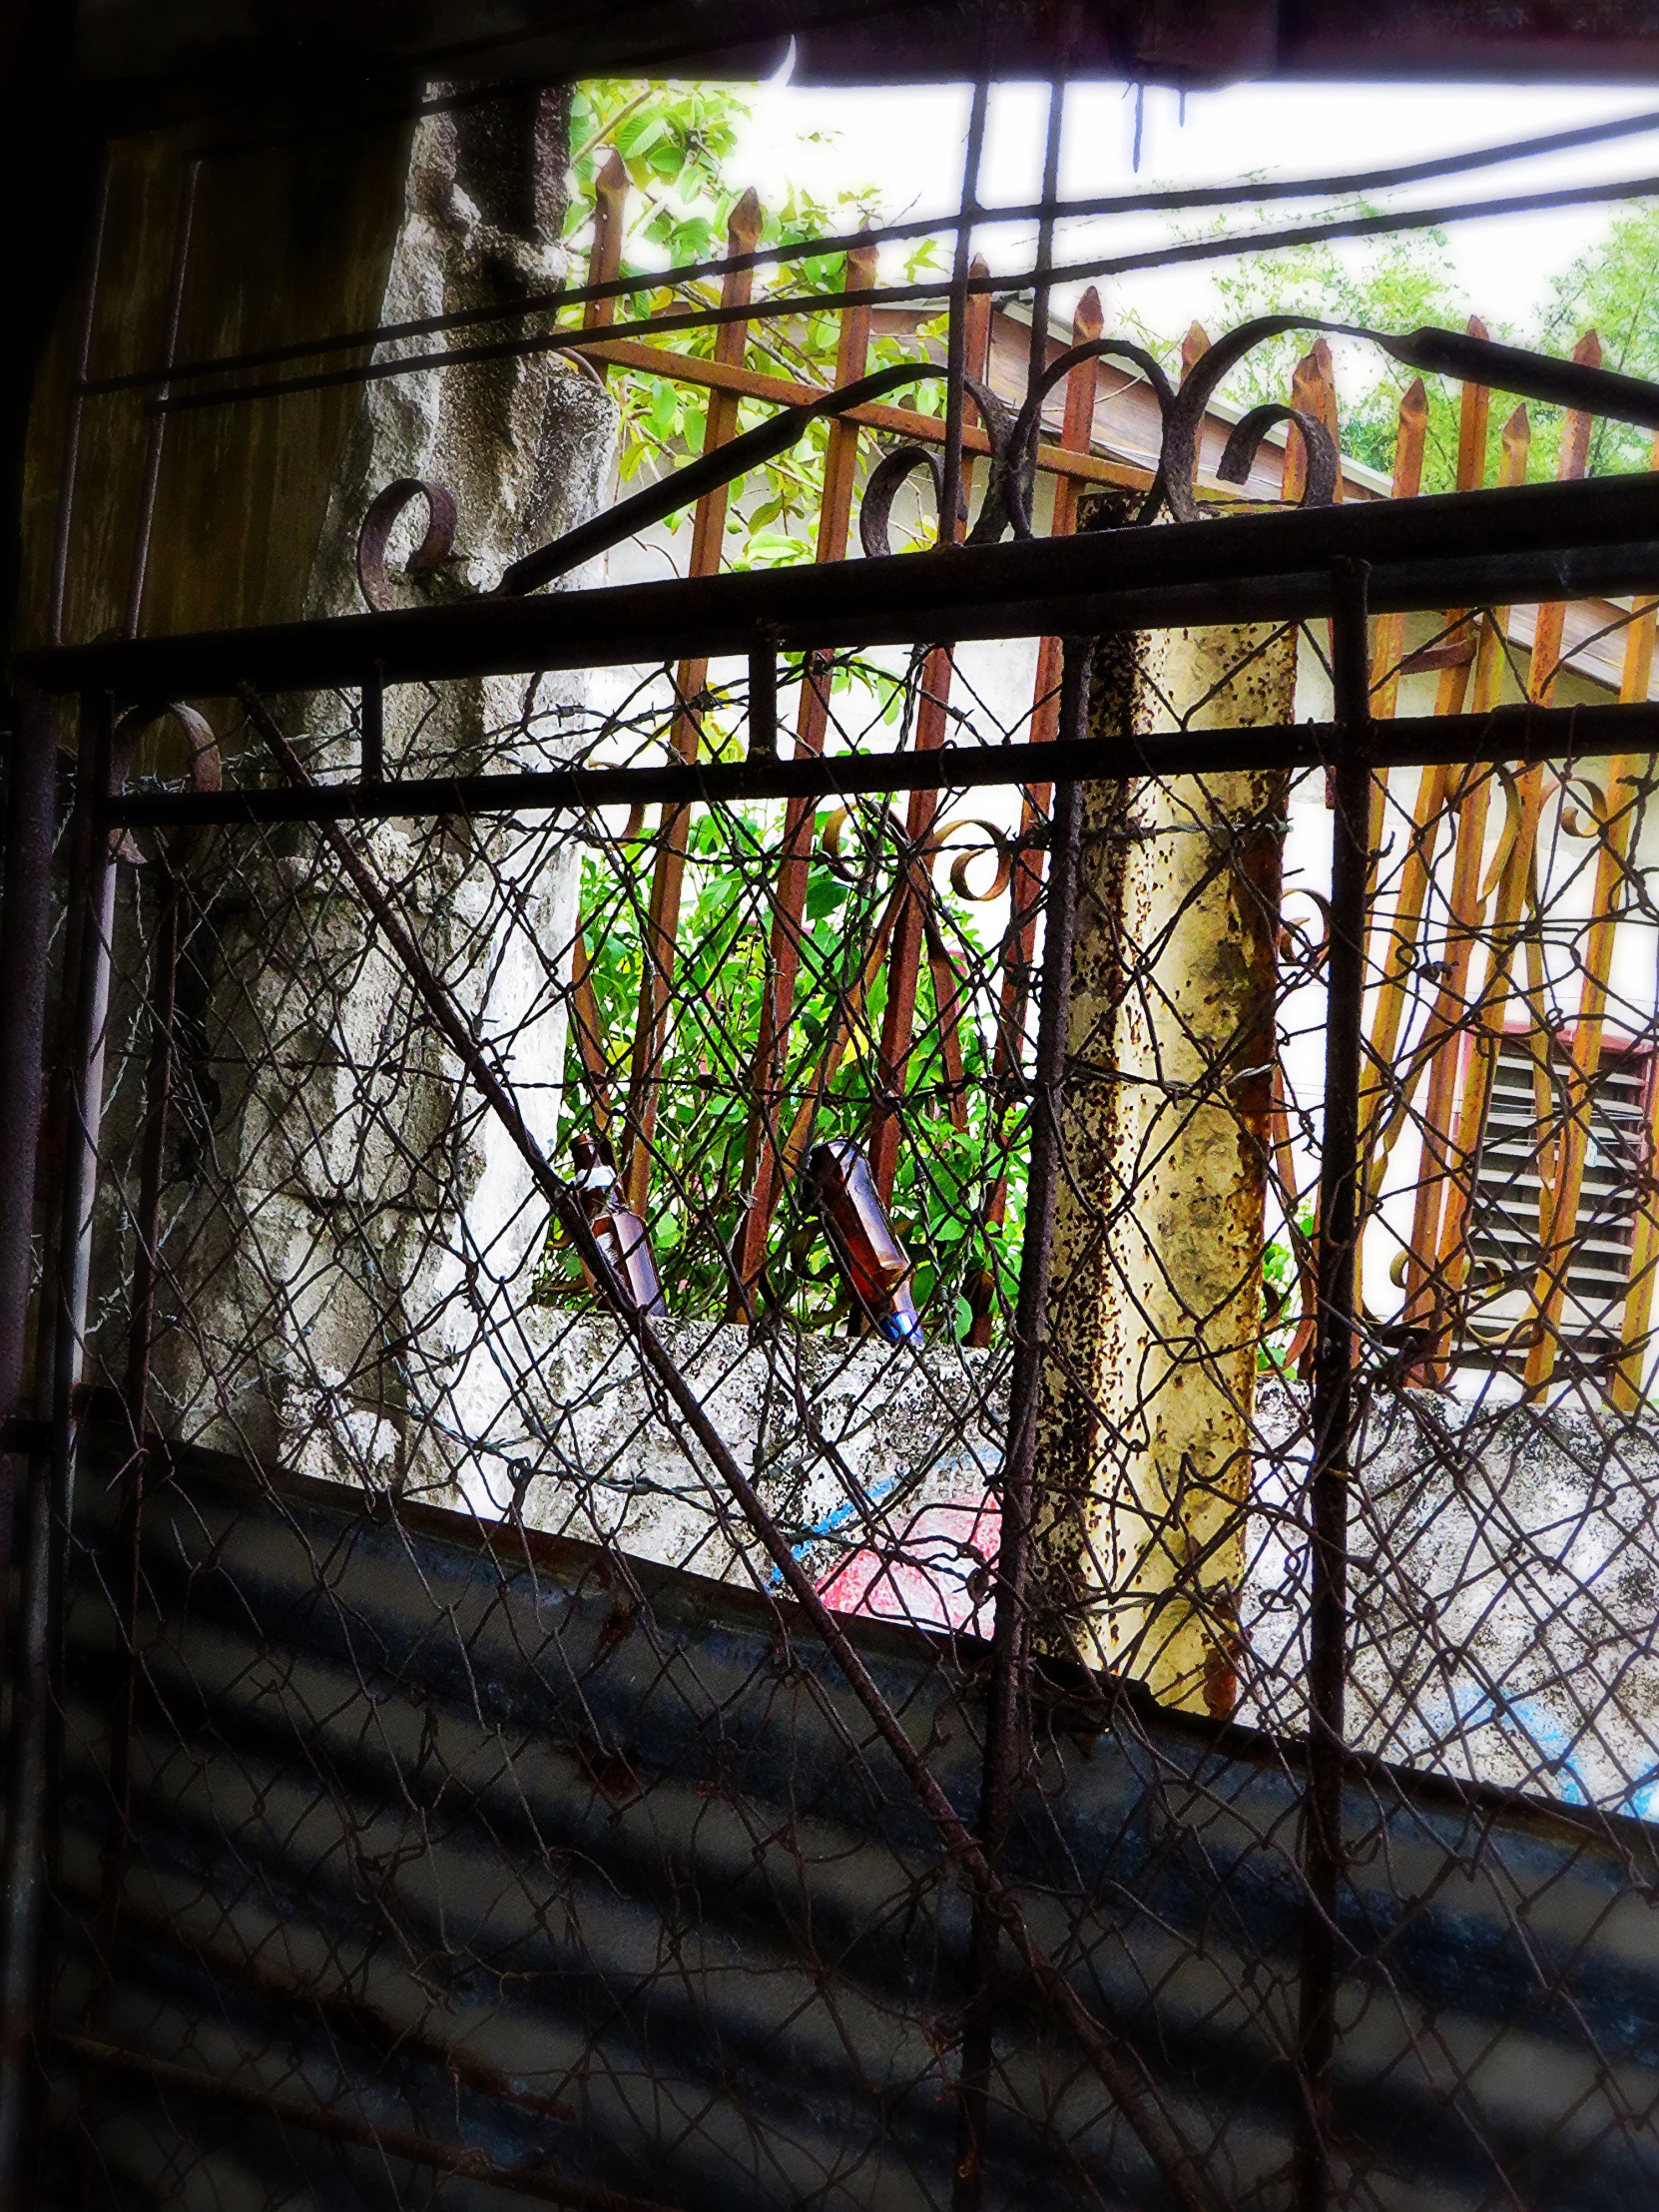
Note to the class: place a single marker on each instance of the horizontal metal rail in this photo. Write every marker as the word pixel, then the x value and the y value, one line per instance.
pixel 782 306
pixel 1539 542
pixel 1519 733
pixel 1183 200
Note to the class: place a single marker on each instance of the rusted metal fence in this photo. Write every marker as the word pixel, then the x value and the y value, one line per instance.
pixel 504 1740
pixel 1171 1723
pixel 1453 1082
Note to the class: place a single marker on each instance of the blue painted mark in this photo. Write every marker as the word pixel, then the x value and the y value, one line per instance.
pixel 976 1465
pixel 1529 1720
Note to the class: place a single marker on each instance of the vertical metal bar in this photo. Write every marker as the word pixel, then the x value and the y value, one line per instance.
pixel 1507 930
pixel 1425 1294
pixel 1506 935
pixel 1410 433
pixel 146 1277
pixel 1045 229
pixel 761 1174
pixel 950 492
pixel 1314 391
pixel 610 202
pixel 920 817
pixel 157 422
pixel 127 1577
pixel 662 926
pixel 1406 482
pixel 70 462
pixel 1397 939
pixel 1627 808
pixel 589 1029
pixel 1025 882
pixel 948 1003
pixel 1635 1338
pixel 1332 1410
pixel 610 213
pixel 762 699
pixel 1559 1191
pixel 1426 1304
pixel 1025 890
pixel 373 717
pixel 51 1491
pixel 1410 439
pixel 905 970
pixel 25 934
pixel 1006 1702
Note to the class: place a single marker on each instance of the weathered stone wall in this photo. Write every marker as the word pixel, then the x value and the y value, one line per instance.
pixel 1504 1592
pixel 333 1200
pixel 845 1438
pixel 525 448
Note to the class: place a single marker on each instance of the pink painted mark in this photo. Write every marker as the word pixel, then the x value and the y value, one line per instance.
pixel 935 1573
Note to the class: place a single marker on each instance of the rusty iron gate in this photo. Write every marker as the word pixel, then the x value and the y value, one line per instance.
pixel 478 1735
pixel 1175 1725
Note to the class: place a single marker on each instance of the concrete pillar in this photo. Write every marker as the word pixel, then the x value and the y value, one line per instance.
pixel 1144 1452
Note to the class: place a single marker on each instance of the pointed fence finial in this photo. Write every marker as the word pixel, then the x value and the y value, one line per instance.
pixel 1314 391
pixel 742 225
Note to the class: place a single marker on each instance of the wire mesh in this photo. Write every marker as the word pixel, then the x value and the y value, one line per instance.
pixel 455 1798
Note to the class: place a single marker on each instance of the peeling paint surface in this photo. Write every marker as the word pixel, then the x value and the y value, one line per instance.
pixel 1145 1438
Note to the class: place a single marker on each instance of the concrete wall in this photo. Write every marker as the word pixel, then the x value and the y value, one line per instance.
pixel 330 1190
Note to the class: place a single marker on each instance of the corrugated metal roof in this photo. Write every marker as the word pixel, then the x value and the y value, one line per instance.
pixel 589 1870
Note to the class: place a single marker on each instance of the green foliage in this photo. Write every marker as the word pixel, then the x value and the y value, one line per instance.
pixel 945 1175
pixel 1402 282
pixel 1281 1294
pixel 676 142
pixel 1613 289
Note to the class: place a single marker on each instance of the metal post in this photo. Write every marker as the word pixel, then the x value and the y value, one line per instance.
pixel 950 480
pixel 127 1574
pixel 373 735
pixel 25 930
pixel 50 1488
pixel 1005 1705
pixel 146 1279
pixel 1331 1411
pixel 1040 295
pixel 762 698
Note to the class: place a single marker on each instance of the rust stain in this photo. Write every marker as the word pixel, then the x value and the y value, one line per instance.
pixel 1144 1429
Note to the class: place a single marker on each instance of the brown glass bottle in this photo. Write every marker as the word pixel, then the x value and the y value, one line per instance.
pixel 618 1229
pixel 874 1263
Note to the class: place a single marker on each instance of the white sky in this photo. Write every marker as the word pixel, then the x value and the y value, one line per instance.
pixel 907 143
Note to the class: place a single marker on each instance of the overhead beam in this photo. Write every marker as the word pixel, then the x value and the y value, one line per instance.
pixel 253 46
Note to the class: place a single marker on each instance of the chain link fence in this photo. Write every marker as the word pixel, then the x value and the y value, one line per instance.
pixel 695 1565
